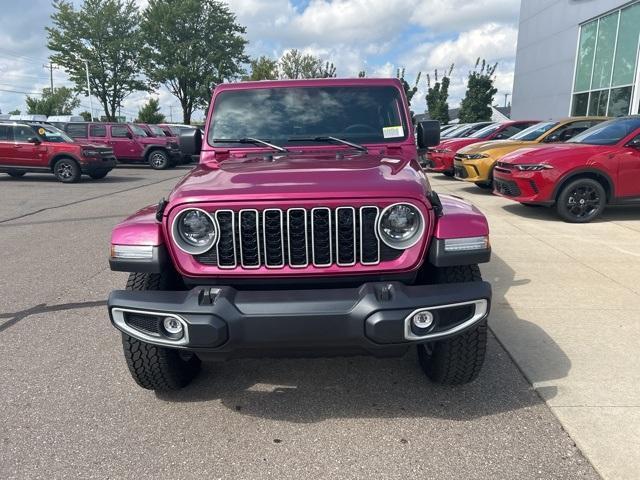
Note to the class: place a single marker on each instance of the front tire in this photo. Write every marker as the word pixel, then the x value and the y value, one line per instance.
pixel 457 360
pixel 159 160
pixel 67 170
pixel 448 173
pixel 581 201
pixel 153 367
pixel 99 174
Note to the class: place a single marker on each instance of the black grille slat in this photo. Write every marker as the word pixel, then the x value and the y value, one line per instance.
pixel 507 187
pixel 273 238
pixel 345 236
pixel 226 247
pixel 145 323
pixel 297 235
pixel 369 247
pixel 249 239
pixel 321 228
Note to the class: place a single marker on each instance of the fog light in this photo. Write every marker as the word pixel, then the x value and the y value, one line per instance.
pixel 173 327
pixel 422 320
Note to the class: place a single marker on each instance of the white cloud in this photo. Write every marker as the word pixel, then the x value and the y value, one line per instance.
pixel 456 15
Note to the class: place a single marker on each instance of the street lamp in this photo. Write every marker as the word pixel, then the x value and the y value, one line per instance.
pixel 86 66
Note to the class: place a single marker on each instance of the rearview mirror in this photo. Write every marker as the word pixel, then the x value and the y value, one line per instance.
pixel 34 140
pixel 428 133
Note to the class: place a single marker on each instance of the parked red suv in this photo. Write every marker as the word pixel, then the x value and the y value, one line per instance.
pixel 39 147
pixel 129 142
pixel 440 158
pixel 597 167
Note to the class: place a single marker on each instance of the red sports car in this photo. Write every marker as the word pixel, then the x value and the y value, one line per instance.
pixel 440 158
pixel 597 167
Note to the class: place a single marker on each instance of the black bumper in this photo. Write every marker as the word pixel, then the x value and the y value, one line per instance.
pixel 98 165
pixel 375 318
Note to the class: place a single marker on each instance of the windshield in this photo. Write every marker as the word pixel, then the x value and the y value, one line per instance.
pixel 534 131
pixel 156 130
pixel 137 130
pixel 454 131
pixel 486 131
pixel 608 133
pixel 282 115
pixel 52 134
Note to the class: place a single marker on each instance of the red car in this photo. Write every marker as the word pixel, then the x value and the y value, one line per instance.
pixel 42 148
pixel 597 167
pixel 440 158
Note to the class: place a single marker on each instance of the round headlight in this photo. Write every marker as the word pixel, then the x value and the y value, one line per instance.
pixel 400 226
pixel 194 231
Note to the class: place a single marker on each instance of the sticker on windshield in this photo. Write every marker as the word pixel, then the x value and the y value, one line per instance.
pixel 42 131
pixel 393 132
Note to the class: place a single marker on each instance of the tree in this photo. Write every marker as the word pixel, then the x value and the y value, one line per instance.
pixel 62 101
pixel 106 34
pixel 437 96
pixel 150 112
pixel 86 116
pixel 193 45
pixel 15 112
pixel 294 64
pixel 263 68
pixel 408 90
pixel 476 104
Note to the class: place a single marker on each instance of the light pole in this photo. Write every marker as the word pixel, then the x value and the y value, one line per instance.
pixel 86 67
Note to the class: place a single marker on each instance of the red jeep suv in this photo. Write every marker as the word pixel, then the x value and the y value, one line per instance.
pixel 39 147
pixel 597 167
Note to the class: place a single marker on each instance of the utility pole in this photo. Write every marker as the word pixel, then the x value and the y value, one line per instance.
pixel 170 113
pixel 505 98
pixel 86 66
pixel 50 66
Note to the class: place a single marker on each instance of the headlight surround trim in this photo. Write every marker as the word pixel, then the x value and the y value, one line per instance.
pixel 179 240
pixel 410 241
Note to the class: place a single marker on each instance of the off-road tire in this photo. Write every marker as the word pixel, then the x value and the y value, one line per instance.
pixel 448 173
pixel 457 360
pixel 99 174
pixel 153 367
pixel 587 189
pixel 67 170
pixel 16 173
pixel 159 160
pixel 485 185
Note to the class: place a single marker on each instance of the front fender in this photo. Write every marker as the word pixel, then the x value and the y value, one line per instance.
pixel 458 219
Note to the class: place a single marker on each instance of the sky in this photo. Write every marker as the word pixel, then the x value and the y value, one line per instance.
pixel 378 36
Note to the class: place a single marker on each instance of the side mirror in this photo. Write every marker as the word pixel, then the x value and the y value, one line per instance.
pixel 34 140
pixel 554 137
pixel 428 133
pixel 129 135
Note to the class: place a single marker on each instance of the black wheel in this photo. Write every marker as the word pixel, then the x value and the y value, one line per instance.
pixel 153 367
pixel 485 185
pixel 581 200
pixel 67 170
pixel 448 173
pixel 457 360
pixel 98 174
pixel 17 173
pixel 159 160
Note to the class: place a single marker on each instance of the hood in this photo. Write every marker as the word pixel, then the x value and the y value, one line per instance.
pixel 300 176
pixel 491 144
pixel 544 153
pixel 97 146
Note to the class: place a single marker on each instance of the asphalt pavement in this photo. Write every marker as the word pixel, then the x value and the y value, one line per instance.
pixel 69 409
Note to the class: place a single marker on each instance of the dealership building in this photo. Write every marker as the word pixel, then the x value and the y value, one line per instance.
pixel 577 57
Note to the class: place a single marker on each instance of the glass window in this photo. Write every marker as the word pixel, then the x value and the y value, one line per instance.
pixel 608 133
pixel 534 131
pixel 511 130
pixel 138 131
pixel 98 131
pixel 580 104
pixel 486 131
pixel 598 102
pixel 5 133
pixel 282 115
pixel 585 56
pixel 157 131
pixel 77 130
pixel 626 51
pixel 53 134
pixel 119 131
pixel 22 133
pixel 603 62
pixel 619 102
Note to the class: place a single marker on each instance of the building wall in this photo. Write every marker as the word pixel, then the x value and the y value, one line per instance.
pixel 546 54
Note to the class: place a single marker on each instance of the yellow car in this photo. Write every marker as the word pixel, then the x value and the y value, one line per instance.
pixel 475 163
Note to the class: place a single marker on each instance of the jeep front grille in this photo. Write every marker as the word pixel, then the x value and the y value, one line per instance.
pixel 297 237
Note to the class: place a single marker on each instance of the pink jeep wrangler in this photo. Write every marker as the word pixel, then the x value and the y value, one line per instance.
pixel 308 228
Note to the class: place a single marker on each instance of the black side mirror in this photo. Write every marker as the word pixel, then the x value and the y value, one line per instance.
pixel 34 140
pixel 129 135
pixel 191 141
pixel 428 133
pixel 554 137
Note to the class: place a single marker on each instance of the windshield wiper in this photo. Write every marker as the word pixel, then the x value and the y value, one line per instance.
pixel 254 141
pixel 330 139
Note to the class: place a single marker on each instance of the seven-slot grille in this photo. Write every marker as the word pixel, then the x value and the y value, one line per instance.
pixel 297 238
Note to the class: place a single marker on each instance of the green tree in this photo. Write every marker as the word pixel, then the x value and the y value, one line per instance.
pixel 86 116
pixel 62 101
pixel 15 112
pixel 408 89
pixel 263 68
pixel 193 45
pixel 294 64
pixel 437 96
pixel 150 112
pixel 106 34
pixel 476 104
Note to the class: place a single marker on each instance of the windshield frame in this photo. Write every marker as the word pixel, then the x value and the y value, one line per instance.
pixel 604 125
pixel 291 141
pixel 51 129
pixel 536 126
pixel 493 128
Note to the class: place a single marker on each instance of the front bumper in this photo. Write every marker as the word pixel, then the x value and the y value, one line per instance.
pixel 97 164
pixel 472 170
pixel 440 162
pixel 524 187
pixel 375 318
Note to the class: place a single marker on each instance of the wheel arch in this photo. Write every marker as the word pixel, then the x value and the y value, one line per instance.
pixel 595 174
pixel 151 148
pixel 60 156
